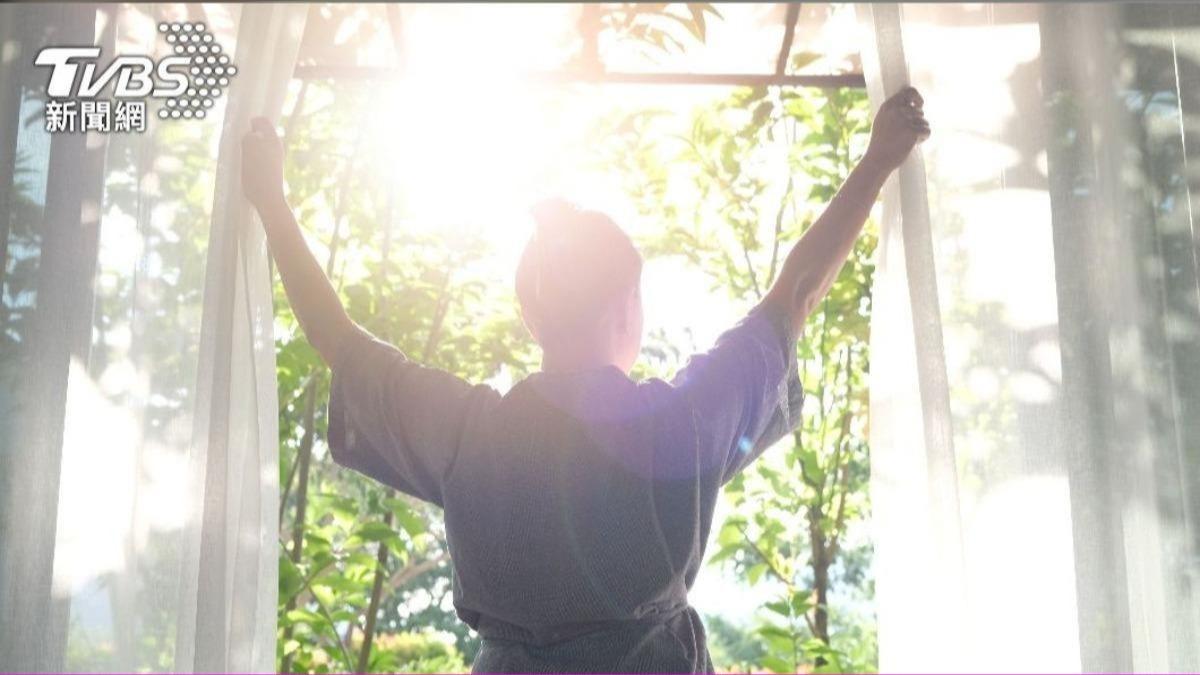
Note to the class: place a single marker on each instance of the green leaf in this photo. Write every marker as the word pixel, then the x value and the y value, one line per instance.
pixel 700 29
pixel 762 113
pixel 412 522
pixel 730 534
pixel 696 28
pixel 361 558
pixel 374 532
pixel 710 8
pixel 801 602
pixel 755 573
pixel 812 467
pixel 777 664
pixel 320 559
pixel 802 59
pixel 290 579
pixel 323 594
pixel 722 555
pixel 817 647
pixel 342 505
pixel 338 583
pixel 314 542
pixel 779 607
pixel 309 617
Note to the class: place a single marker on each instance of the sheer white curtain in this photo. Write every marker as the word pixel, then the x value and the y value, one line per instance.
pixel 1035 386
pixel 138 420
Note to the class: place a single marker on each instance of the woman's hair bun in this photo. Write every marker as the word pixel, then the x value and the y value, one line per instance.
pixel 576 261
pixel 554 214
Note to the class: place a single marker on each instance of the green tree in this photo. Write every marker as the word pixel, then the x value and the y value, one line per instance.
pixel 365 572
pixel 351 547
pixel 749 202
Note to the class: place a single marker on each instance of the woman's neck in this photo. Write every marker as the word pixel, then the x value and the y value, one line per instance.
pixel 556 362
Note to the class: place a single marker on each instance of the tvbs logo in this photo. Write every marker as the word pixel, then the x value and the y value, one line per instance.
pixel 188 83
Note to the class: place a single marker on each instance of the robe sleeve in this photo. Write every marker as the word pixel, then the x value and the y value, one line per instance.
pixel 745 392
pixel 396 421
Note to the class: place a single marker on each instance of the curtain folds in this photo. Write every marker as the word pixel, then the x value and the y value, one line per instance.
pixel 47 266
pixel 1038 272
pixel 138 416
pixel 235 540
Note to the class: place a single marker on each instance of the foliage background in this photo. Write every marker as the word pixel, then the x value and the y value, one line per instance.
pixel 720 191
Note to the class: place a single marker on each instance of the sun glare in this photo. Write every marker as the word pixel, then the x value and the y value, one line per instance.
pixel 469 139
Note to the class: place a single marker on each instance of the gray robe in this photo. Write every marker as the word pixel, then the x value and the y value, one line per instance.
pixel 577 505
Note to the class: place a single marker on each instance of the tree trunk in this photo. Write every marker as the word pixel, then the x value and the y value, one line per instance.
pixel 821 561
pixel 304 460
pixel 381 558
pixel 377 587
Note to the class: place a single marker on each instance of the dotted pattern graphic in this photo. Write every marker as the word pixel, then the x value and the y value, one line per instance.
pixel 209 71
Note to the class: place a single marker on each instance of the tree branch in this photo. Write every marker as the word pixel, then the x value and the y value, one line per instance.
pixel 381 557
pixel 346 659
pixel 845 423
pixel 750 271
pixel 304 459
pixel 410 572
pixel 377 584
pixel 763 556
pixel 778 233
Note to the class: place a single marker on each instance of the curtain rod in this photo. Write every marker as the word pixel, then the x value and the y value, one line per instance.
pixel 853 80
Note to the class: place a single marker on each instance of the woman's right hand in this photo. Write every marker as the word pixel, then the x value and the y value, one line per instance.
pixel 899 125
